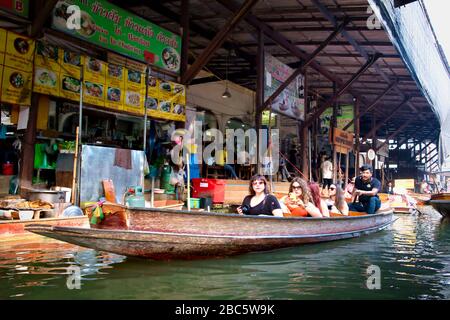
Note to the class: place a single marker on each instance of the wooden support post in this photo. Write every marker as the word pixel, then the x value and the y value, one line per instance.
pixel 357 133
pixel 333 124
pixel 29 140
pixel 259 93
pixel 305 133
pixel 185 32
pixel 43 11
pixel 374 138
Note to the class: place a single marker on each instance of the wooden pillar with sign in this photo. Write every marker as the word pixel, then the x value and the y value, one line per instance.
pixel 357 128
pixel 342 143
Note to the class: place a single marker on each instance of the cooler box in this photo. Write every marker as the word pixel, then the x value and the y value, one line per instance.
pixel 209 188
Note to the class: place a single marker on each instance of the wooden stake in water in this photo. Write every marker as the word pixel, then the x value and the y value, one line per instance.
pixel 152 198
pixel 188 183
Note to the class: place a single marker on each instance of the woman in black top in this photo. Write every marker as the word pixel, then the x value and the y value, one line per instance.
pixel 260 201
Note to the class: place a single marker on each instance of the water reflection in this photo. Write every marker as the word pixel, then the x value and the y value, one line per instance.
pixel 412 255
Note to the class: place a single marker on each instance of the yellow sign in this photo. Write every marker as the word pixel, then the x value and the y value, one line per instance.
pixel 70 87
pixel 153 87
pixel 3 33
pixel 404 183
pixel 94 70
pixel 165 90
pixel 19 52
pixel 16 86
pixel 134 99
pixel 94 93
pixel 46 81
pixel 71 63
pixel 47 56
pixel 115 86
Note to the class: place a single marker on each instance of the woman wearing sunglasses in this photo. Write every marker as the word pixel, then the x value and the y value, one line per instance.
pixel 337 203
pixel 299 201
pixel 260 201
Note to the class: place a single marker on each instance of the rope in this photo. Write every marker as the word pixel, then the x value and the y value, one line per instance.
pixel 293 165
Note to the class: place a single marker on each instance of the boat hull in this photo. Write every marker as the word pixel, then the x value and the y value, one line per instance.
pixel 187 235
pixel 10 229
pixel 441 203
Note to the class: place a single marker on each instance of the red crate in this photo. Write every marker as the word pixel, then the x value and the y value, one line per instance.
pixel 209 188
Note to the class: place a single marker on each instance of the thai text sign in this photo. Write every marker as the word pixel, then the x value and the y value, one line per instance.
pixel 113 28
pixel 342 139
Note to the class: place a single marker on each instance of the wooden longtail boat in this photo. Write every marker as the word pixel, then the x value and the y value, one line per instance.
pixel 441 203
pixel 168 234
pixel 10 229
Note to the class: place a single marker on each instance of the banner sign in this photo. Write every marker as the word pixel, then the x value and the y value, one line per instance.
pixel 288 101
pixel 116 29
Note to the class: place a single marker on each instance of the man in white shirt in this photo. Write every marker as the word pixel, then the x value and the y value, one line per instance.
pixel 327 172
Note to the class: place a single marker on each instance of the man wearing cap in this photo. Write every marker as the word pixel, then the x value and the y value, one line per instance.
pixel 366 188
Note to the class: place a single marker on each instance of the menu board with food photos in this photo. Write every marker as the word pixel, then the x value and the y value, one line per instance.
pixel 115 87
pixel 16 86
pixel 16 58
pixel 69 87
pixel 19 52
pixel 46 69
pixel 134 86
pixel 71 63
pixel 94 81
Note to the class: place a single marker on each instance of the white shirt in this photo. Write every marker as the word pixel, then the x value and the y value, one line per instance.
pixel 327 170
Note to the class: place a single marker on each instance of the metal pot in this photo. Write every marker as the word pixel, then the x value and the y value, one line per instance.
pixel 47 195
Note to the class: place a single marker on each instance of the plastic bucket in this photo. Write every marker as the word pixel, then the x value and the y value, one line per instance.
pixel 8 169
pixel 195 203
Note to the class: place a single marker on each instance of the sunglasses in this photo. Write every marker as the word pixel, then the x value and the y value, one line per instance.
pixel 296 187
pixel 255 183
pixel 332 188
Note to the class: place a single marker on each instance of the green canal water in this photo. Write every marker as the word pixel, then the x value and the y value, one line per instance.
pixel 413 256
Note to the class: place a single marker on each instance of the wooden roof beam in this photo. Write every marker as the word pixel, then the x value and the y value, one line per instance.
pixel 218 40
pixel 389 116
pixel 305 63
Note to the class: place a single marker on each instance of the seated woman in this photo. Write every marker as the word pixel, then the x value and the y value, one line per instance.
pixel 298 202
pixel 260 202
pixel 337 200
pixel 317 199
pixel 349 189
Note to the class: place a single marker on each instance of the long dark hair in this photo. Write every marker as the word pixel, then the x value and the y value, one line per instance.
pixel 306 194
pixel 257 177
pixel 315 194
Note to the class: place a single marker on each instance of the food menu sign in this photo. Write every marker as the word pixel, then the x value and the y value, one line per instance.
pixel 288 101
pixel 113 28
pixel 16 66
pixel 110 85
pixel 166 99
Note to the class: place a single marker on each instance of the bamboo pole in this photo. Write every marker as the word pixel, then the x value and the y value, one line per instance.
pixel 75 169
pixel 188 183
